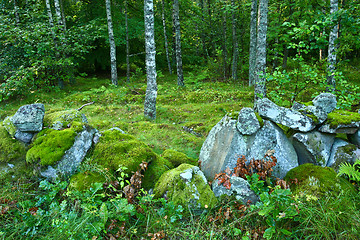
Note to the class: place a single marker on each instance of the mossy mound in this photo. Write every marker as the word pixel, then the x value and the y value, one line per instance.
pixel 64 119
pixel 84 180
pixel 9 126
pixel 50 145
pixel 341 117
pixel 177 158
pixel 10 149
pixel 316 180
pixel 116 150
pixel 186 185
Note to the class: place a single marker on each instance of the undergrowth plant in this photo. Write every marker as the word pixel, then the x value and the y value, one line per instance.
pixel 351 171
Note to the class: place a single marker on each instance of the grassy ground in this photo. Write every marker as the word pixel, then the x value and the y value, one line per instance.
pixel 199 106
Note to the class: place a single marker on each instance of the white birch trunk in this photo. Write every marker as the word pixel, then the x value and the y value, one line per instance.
pixel 260 82
pixel 334 7
pixel 235 44
pixel 127 43
pixel 165 36
pixel 253 39
pixel 224 45
pixel 151 89
pixel 180 75
pixel 58 14
pixel 112 44
pixel 16 12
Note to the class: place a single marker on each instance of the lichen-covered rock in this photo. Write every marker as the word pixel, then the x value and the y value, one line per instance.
pixel 340 121
pixel 72 157
pixel 186 185
pixel 316 180
pixel 10 149
pixel 63 119
pixel 325 102
pixel 25 137
pixel 240 188
pixel 177 158
pixel 247 122
pixel 287 117
pixel 9 126
pixel 50 146
pixel 313 147
pixel 29 118
pixel 341 152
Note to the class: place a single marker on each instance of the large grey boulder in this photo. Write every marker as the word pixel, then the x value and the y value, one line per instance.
pixel 355 138
pixel 29 118
pixel 72 158
pixel 271 137
pixel 341 152
pixel 285 116
pixel 313 147
pixel 247 123
pixel 240 188
pixel 224 145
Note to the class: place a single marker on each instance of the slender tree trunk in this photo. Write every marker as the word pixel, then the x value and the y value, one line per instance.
pixel 224 46
pixel 260 83
pixel 16 12
pixel 151 89
pixel 180 75
pixel 63 14
pixel 253 39
pixel 334 7
pixel 202 34
pixel 61 34
pixel 235 43
pixel 59 15
pixel 127 43
pixel 211 30
pixel 165 36
pixel 112 44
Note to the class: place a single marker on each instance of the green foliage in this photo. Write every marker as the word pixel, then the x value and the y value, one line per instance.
pixel 351 171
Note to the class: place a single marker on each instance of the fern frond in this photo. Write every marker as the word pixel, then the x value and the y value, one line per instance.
pixel 357 162
pixel 350 171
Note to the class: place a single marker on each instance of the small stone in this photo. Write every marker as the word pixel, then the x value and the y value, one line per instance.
pixel 247 122
pixel 29 118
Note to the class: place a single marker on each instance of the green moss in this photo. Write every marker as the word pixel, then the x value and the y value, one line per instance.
pixel 19 170
pixel 338 117
pixel 316 180
pixel 155 169
pixel 10 149
pixel 50 145
pixel 178 158
pixel 62 119
pixel 287 131
pixel 196 192
pixel 9 126
pixel 84 180
pixel 261 121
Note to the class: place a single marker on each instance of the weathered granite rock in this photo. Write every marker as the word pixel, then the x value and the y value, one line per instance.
pixel 186 185
pixel 73 157
pixel 325 102
pixel 247 123
pixel 240 188
pixel 29 118
pixel 287 117
pixel 313 147
pixel 224 145
pixel 25 137
pixel 342 152
pixel 355 138
pixel 341 128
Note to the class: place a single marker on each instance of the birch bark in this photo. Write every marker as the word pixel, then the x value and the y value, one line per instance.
pixel 235 43
pixel 17 19
pixel 151 89
pixel 334 7
pixel 260 82
pixel 252 50
pixel 112 44
pixel 180 75
pixel 165 36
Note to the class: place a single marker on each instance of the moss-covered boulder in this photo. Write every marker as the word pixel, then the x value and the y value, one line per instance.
pixel 63 119
pixel 341 121
pixel 116 149
pixel 316 180
pixel 50 145
pixel 9 126
pixel 84 180
pixel 10 149
pixel 177 158
pixel 186 185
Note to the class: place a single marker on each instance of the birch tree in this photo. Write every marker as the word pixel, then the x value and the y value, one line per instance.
pixel 165 36
pixel 112 44
pixel 180 75
pixel 260 80
pixel 151 89
pixel 334 7
pixel 253 39
pixel 235 43
pixel 59 15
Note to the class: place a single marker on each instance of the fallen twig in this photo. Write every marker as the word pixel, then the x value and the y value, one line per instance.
pixel 87 104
